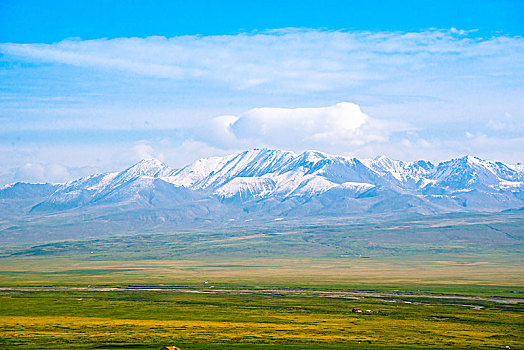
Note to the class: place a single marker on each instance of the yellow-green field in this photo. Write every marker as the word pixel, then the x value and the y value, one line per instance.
pixel 252 320
pixel 441 283
pixel 487 271
pixel 60 302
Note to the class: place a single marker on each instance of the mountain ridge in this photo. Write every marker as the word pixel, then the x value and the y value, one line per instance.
pixel 280 183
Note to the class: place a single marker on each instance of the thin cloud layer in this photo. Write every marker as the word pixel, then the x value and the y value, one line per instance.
pixel 303 60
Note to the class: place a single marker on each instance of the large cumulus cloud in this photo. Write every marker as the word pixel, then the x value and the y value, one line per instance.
pixel 333 127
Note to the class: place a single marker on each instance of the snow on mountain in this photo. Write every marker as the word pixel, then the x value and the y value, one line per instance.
pixel 473 173
pixel 261 173
pixel 122 186
pixel 356 186
pixel 402 173
pixel 312 186
pixel 246 187
pixel 263 178
pixel 336 169
pixel 192 175
pixel 147 167
pixel 214 172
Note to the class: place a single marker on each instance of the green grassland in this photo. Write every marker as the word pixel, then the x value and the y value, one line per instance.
pixel 252 320
pixel 450 282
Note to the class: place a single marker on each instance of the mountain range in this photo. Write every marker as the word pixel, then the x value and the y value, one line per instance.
pixel 263 184
pixel 286 182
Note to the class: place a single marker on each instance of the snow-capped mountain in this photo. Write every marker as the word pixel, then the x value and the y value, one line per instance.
pixel 271 173
pixel 281 183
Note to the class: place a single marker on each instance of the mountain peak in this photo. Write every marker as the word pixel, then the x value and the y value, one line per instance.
pixel 381 157
pixel 385 160
pixel 149 161
pixel 147 167
pixel 312 156
pixel 471 159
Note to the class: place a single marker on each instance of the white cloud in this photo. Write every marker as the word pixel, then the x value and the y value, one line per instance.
pixel 427 77
pixel 332 128
pixel 287 59
pixel 50 162
pixel 342 121
pixel 30 172
pixel 143 150
pixel 39 172
pixel 507 122
pixel 218 132
pixel 191 150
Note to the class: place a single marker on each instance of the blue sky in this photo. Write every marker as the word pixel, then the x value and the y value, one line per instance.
pixel 29 21
pixel 89 86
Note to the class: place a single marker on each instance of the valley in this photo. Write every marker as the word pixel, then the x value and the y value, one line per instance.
pixel 442 282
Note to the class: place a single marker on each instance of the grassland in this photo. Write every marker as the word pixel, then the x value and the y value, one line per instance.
pixel 451 283
pixel 252 320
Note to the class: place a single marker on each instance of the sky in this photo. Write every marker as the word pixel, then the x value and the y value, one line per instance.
pixel 95 86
